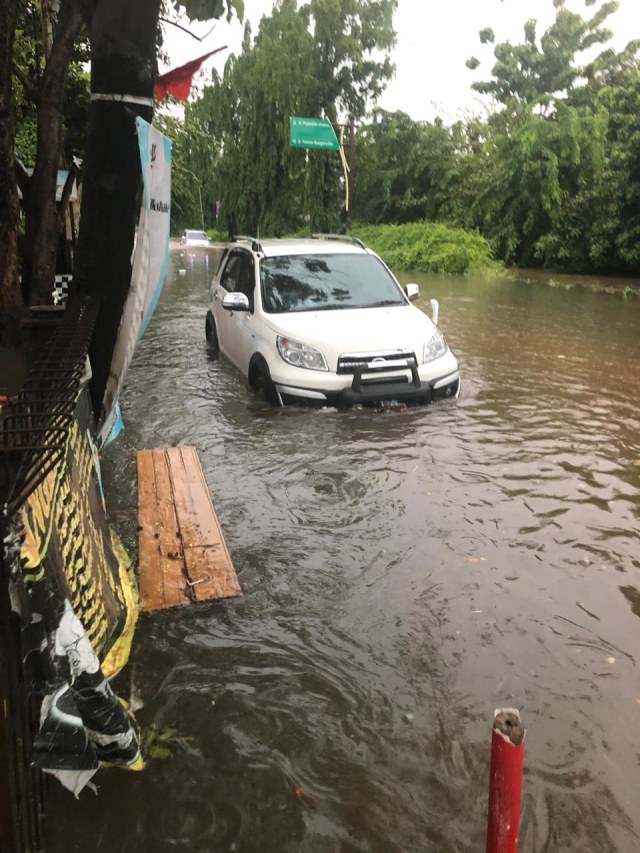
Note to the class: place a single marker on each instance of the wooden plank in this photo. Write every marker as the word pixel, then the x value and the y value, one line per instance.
pixel 193 501
pixel 151 584
pixel 172 561
pixel 162 580
pixel 183 555
pixel 207 559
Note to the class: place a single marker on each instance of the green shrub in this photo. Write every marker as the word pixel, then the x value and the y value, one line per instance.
pixel 217 236
pixel 429 247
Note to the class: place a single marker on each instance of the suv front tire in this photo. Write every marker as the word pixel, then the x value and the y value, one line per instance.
pixel 210 331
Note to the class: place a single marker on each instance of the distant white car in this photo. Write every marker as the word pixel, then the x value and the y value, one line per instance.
pixel 324 321
pixel 195 239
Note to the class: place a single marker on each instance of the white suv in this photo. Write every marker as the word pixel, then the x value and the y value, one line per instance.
pixel 323 320
pixel 195 239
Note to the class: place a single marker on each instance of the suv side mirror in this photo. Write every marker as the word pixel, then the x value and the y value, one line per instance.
pixel 236 302
pixel 412 291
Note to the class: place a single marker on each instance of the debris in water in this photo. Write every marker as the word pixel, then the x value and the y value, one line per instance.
pixel 391 406
pixel 135 699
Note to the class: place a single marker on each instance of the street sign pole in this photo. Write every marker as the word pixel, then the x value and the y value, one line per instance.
pixel 312 133
pixel 318 133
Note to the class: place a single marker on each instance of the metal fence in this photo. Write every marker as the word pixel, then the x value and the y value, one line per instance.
pixel 34 427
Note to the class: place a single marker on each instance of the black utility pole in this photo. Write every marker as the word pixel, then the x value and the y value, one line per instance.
pixel 123 73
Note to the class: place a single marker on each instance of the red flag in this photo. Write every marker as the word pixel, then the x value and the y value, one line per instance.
pixel 177 82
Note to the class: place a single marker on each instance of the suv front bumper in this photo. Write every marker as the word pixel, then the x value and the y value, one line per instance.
pixel 413 392
pixel 361 393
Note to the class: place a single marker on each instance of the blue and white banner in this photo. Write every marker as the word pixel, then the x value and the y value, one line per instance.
pixel 149 267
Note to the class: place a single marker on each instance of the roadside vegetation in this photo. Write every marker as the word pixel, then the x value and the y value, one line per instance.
pixel 429 247
pixel 422 246
pixel 550 177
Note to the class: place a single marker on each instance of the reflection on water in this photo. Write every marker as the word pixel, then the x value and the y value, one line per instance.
pixel 404 574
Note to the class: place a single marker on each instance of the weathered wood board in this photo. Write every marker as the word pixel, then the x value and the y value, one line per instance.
pixel 182 552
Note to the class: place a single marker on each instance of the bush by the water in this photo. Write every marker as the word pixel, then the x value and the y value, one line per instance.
pixel 420 246
pixel 217 236
pixel 428 247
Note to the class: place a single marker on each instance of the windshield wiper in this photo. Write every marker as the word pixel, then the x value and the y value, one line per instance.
pixel 382 303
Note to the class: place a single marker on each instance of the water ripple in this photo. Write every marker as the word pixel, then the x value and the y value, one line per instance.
pixel 404 574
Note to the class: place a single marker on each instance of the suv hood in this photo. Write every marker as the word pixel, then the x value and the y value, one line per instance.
pixel 356 330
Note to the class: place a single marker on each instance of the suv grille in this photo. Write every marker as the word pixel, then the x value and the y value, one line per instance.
pixel 376 362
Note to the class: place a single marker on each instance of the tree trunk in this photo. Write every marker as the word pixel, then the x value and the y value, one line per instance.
pixel 41 215
pixel 10 297
pixel 123 62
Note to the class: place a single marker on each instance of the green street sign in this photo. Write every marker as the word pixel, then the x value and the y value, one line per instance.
pixel 312 133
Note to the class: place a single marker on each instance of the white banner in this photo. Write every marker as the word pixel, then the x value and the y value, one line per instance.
pixel 150 261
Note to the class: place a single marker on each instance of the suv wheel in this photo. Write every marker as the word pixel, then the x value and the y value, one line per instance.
pixel 261 382
pixel 210 331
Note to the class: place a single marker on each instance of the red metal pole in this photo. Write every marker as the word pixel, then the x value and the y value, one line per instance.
pixel 505 786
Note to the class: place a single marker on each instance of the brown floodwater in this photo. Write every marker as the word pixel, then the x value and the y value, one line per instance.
pixel 404 574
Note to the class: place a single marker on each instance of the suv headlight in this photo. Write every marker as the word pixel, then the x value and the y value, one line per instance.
pixel 435 347
pixel 300 355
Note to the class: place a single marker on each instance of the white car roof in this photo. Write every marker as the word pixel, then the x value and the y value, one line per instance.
pixel 304 246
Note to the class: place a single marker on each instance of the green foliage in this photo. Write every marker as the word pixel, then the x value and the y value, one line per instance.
pixel 429 247
pixel 325 58
pixel 204 10
pixel 410 171
pixel 562 161
pixel 29 62
pixel 216 235
pixel 160 743
pixel 539 71
pixel 550 178
pixel 26 140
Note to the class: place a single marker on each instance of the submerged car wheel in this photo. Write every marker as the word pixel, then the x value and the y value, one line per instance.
pixel 261 382
pixel 211 333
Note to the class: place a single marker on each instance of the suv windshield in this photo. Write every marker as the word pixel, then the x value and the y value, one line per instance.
pixel 326 282
pixel 196 235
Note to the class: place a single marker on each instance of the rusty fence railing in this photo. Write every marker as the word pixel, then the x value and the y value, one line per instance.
pixel 34 427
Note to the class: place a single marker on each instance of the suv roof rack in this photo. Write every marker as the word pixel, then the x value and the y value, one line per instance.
pixel 244 238
pixel 347 237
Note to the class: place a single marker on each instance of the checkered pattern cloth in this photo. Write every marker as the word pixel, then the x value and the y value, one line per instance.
pixel 61 289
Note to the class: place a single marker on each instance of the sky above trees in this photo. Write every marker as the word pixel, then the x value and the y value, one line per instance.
pixel 434 42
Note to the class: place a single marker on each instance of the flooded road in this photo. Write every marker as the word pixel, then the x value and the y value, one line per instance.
pixel 404 574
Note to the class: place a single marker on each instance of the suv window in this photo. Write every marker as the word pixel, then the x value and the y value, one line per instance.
pixel 238 276
pixel 196 235
pixel 326 282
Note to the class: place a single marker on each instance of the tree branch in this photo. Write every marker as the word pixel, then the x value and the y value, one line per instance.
pixel 31 90
pixel 180 27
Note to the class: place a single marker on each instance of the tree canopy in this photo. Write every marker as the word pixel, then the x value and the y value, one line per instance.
pixel 325 58
pixel 550 175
